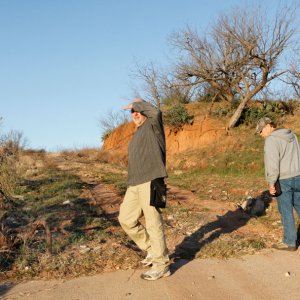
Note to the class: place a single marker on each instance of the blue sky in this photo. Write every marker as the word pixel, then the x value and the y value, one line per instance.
pixel 65 63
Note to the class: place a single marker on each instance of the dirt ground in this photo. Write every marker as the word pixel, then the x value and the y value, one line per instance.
pixel 190 226
pixel 190 223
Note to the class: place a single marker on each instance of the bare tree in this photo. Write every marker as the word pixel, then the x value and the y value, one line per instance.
pixel 159 88
pixel 111 120
pixel 292 78
pixel 239 57
pixel 151 82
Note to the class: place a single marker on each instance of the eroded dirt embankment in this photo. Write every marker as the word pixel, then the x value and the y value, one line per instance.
pixel 203 132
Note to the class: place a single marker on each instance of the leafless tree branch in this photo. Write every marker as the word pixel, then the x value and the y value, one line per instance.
pixel 238 57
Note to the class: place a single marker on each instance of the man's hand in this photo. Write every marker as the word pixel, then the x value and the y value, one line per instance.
pixel 129 106
pixel 272 189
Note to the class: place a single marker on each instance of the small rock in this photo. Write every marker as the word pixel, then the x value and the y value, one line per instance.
pixel 97 248
pixel 68 202
pixel 212 277
pixel 287 274
pixel 82 251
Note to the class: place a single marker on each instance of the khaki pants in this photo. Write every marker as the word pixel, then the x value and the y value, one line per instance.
pixel 150 238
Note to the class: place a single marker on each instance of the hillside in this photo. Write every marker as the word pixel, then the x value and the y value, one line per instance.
pixel 196 145
pixel 74 197
pixel 205 131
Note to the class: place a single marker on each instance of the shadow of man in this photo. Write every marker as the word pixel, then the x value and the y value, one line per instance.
pixel 227 223
pixel 5 288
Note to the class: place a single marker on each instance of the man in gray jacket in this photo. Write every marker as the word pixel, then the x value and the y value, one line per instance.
pixel 282 164
pixel 146 162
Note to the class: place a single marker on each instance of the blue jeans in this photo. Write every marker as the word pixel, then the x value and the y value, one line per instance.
pixel 289 199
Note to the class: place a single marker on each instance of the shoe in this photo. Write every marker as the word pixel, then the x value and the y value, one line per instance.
pixel 153 274
pixel 148 260
pixel 282 246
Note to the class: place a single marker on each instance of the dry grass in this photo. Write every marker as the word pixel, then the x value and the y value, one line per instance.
pixel 86 241
pixel 232 246
pixel 113 157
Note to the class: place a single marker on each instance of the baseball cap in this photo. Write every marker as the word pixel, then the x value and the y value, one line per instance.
pixel 262 123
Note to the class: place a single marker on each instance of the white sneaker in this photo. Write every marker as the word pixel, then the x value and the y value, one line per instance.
pixel 148 260
pixel 153 274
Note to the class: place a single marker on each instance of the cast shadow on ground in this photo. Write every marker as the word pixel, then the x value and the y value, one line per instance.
pixel 224 224
pixel 4 289
pixel 34 228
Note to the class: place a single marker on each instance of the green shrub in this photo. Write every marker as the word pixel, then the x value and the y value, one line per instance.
pixel 252 113
pixel 176 116
pixel 272 109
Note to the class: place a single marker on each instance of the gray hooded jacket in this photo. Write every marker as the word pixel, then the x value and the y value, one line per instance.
pixel 282 155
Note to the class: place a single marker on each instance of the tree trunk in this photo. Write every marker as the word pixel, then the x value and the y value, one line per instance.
pixel 237 114
pixel 158 103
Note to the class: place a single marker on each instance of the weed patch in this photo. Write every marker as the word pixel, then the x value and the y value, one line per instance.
pixel 231 246
pixel 54 198
pixel 118 180
pixel 176 116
